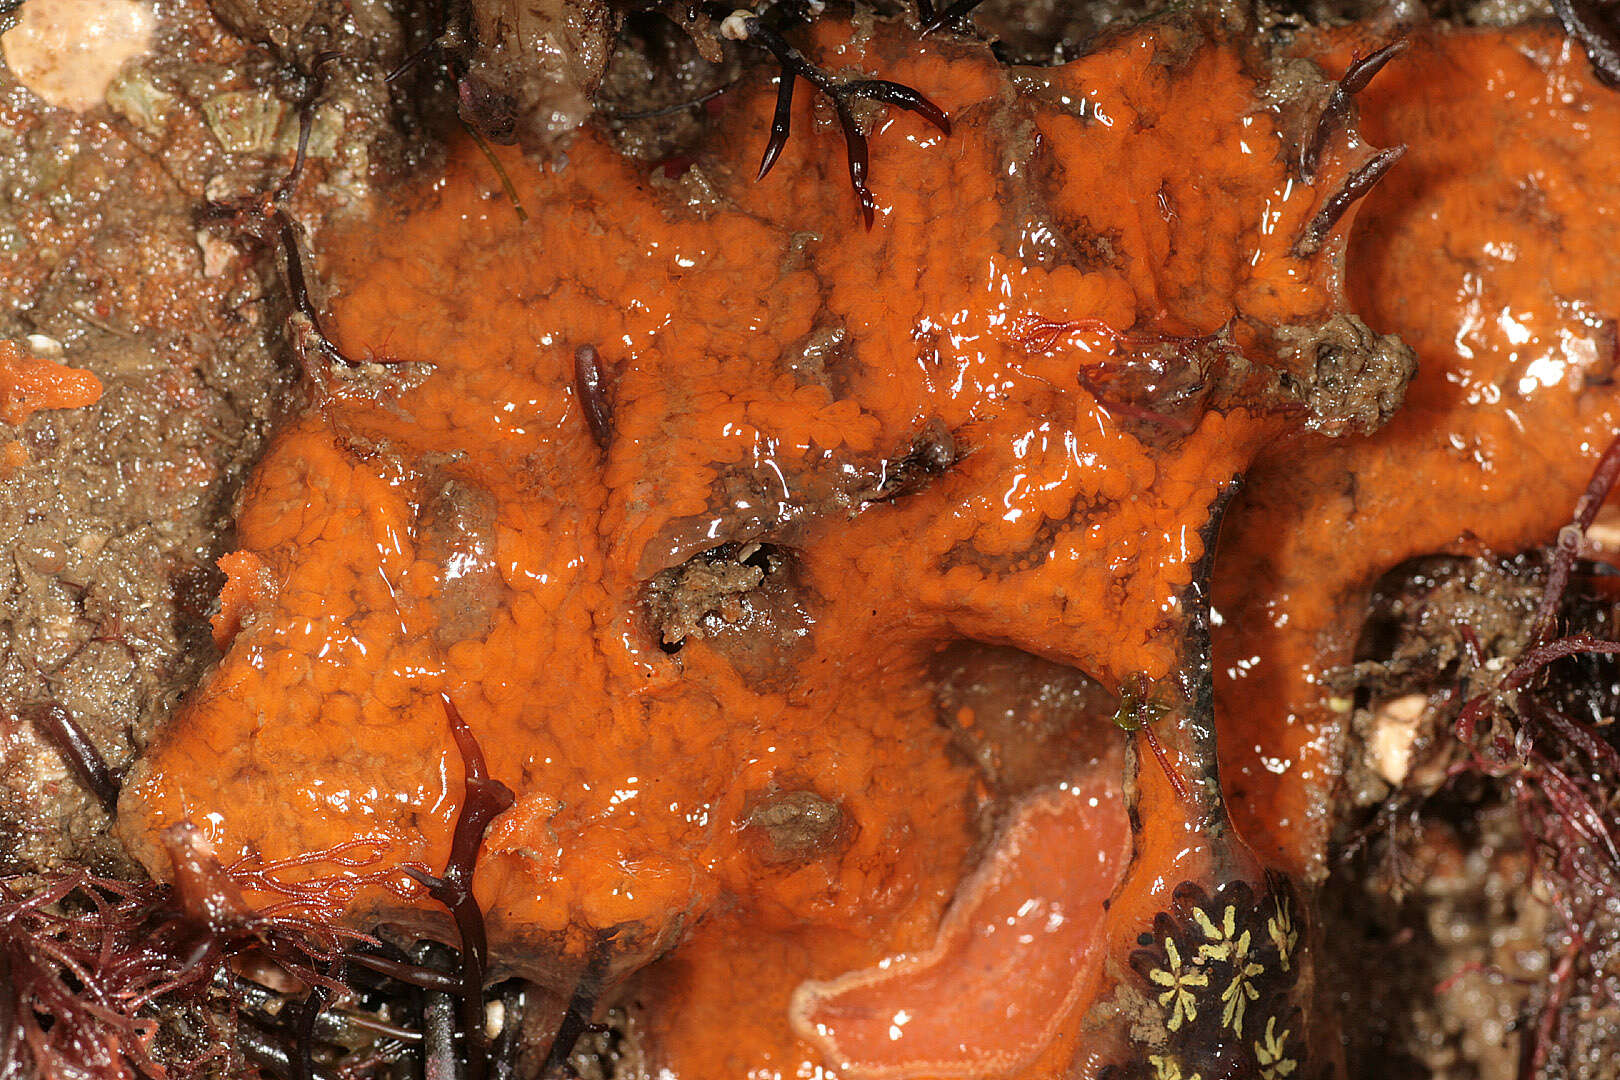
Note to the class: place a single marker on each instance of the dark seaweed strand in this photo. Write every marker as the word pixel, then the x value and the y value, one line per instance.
pixel 591 386
pixel 503 1055
pixel 439 1037
pixel 416 975
pixel 438 1021
pixel 1356 79
pixel 1356 186
pixel 309 1011
pixel 949 15
pixel 485 798
pixel 1585 22
pixel 581 1006
pixel 794 65
pixel 80 753
pixel 1604 476
pixel 306 122
pixel 298 286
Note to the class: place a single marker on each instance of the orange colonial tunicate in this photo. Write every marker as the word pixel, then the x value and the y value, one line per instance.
pixel 1005 414
pixel 1493 251
pixel 29 384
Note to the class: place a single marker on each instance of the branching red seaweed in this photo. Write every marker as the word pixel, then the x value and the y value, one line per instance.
pixel 1562 774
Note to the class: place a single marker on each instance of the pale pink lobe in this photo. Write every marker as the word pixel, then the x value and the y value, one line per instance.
pixel 1020 947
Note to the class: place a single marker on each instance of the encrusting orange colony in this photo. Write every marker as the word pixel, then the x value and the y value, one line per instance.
pixel 29 384
pixel 696 636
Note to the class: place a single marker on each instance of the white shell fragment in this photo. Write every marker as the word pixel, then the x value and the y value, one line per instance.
pixel 1394 735
pixel 69 51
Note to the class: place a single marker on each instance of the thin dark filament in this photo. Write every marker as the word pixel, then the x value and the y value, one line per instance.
pixel 298 286
pixel 269 209
pixel 1586 22
pixel 80 754
pixel 500 170
pixel 667 110
pixel 576 1021
pixel 411 61
pixel 306 123
pixel 794 65
pixel 1356 79
pixel 1356 186
pixel 950 15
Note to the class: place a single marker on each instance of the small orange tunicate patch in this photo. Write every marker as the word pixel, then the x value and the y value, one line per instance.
pixel 968 423
pixel 29 384
pixel 246 589
pixel 1492 250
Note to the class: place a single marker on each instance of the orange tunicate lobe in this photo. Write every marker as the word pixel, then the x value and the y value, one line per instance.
pixel 1020 947
pixel 454 528
pixel 29 384
pixel 1491 250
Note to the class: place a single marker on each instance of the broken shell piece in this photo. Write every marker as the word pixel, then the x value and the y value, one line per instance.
pixel 245 121
pixel 1602 539
pixel 134 97
pixel 68 51
pixel 258 122
pixel 44 347
pixel 1394 732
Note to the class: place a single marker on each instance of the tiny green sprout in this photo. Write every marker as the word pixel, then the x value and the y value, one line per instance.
pixel 1139 709
pixel 1138 706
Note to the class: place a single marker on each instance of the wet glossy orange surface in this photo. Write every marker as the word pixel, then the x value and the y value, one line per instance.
pixel 1492 250
pixel 29 384
pixel 452 526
